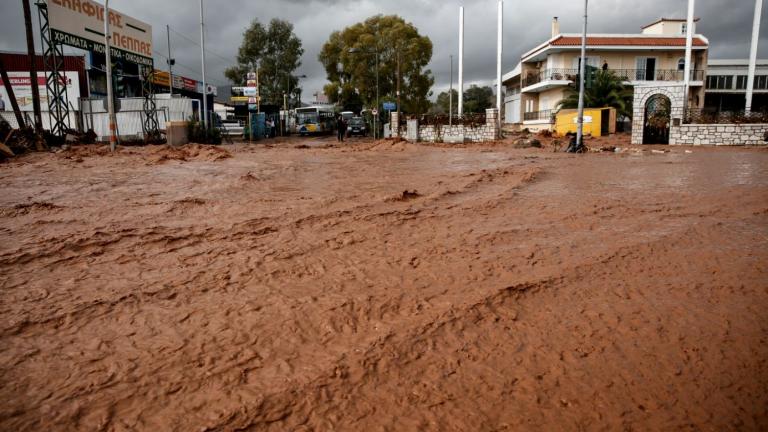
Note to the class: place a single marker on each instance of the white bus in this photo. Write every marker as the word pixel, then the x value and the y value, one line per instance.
pixel 315 120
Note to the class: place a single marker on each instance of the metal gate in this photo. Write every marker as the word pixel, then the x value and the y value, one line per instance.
pixel 657 119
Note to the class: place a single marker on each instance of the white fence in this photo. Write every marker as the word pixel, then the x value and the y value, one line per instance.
pixel 93 115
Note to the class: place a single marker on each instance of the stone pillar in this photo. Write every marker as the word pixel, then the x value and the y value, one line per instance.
pixel 394 124
pixel 492 123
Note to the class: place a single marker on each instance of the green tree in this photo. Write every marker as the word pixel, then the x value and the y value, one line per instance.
pixel 277 51
pixel 602 89
pixel 352 75
pixel 477 99
pixel 443 102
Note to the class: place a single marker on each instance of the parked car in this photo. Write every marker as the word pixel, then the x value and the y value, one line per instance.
pixel 357 127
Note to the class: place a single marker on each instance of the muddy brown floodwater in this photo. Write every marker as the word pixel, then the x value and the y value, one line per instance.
pixel 386 287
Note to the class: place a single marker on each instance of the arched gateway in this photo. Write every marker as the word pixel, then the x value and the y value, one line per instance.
pixel 654 109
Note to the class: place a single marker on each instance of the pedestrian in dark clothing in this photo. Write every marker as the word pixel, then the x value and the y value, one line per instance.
pixel 341 128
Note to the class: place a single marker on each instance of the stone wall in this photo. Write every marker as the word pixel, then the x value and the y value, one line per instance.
pixel 718 134
pixel 459 133
pixel 394 121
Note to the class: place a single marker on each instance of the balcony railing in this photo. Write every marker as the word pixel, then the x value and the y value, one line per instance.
pixel 548 115
pixel 657 75
pixel 532 78
pixel 550 75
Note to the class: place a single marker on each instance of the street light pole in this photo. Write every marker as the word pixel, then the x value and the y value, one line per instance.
pixel 398 93
pixel 375 118
pixel 450 97
pixel 202 54
pixel 499 49
pixel 110 94
pixel 170 60
pixel 688 49
pixel 753 54
pixel 582 68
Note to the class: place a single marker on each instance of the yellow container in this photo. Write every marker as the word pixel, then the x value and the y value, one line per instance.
pixel 597 121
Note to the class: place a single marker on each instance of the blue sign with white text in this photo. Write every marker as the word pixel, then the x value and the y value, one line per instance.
pixel 389 106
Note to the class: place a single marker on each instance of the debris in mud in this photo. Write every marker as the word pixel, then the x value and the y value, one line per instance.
pixel 527 143
pixel 405 196
pixel 18 141
pixel 190 152
pixel 249 177
pixel 181 206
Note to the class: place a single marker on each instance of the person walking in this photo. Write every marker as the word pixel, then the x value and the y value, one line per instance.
pixel 341 128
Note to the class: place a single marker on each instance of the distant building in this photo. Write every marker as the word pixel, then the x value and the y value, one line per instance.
pixel 726 85
pixel 320 99
pixel 538 83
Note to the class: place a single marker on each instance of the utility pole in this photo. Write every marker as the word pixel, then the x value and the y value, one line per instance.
pixel 450 97
pixel 461 61
pixel 202 54
pixel 398 93
pixel 753 55
pixel 171 61
pixel 375 118
pixel 582 68
pixel 500 46
pixel 32 67
pixel 110 93
pixel 688 49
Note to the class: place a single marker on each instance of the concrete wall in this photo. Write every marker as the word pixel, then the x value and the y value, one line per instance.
pixel 718 134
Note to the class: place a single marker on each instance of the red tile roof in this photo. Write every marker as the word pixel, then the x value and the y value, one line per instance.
pixel 626 41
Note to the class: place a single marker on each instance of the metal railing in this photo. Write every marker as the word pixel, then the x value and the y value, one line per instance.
pixel 532 78
pixel 656 75
pixel 442 119
pixel 541 115
pixel 709 116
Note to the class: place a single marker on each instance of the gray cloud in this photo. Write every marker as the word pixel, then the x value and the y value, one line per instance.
pixel 727 24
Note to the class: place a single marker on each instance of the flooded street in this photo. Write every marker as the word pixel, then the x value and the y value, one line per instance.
pixel 383 286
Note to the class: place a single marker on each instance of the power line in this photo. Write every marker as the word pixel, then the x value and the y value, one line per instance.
pixel 187 38
pixel 191 69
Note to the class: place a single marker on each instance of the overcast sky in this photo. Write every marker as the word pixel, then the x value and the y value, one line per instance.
pixel 727 24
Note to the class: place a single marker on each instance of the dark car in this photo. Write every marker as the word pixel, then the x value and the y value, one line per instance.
pixel 357 127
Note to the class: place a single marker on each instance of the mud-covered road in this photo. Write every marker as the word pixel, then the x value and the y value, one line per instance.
pixel 384 287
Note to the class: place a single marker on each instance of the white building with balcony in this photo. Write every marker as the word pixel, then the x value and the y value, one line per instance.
pixel 657 54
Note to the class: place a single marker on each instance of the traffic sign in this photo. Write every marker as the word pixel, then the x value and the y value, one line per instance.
pixel 251 75
pixel 390 106
pixel 375 111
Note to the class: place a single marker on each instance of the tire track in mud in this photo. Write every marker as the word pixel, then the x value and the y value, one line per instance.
pixel 161 240
pixel 350 382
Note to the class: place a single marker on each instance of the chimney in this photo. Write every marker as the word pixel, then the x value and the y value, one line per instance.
pixel 555 27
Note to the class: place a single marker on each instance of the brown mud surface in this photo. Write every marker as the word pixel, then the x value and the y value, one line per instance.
pixel 383 286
